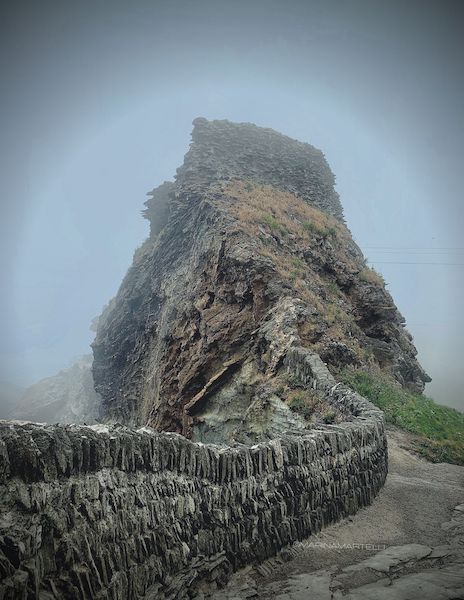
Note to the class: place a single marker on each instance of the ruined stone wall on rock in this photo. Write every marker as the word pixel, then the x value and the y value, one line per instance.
pixel 115 512
pixel 222 150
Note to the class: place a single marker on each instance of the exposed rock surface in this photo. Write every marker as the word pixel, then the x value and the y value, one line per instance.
pixel 222 150
pixel 251 219
pixel 67 397
pixel 10 394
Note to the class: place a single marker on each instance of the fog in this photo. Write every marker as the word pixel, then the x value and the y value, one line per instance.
pixel 96 108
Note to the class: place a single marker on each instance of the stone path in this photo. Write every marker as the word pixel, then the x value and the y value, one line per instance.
pixel 408 545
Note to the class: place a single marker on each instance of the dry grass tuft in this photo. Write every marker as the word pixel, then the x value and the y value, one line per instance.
pixel 280 211
pixel 370 275
pixel 290 232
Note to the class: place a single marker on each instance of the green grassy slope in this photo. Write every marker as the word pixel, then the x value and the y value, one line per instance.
pixel 439 430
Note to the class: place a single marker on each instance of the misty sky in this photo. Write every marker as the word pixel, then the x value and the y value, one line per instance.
pixel 97 100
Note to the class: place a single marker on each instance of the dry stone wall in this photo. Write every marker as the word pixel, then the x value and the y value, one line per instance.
pixel 114 512
pixel 222 150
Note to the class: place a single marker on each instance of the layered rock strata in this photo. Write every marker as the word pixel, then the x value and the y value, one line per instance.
pixel 252 217
pixel 242 306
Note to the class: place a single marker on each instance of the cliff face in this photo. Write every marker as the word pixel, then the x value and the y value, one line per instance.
pixel 67 397
pixel 248 257
pixel 248 278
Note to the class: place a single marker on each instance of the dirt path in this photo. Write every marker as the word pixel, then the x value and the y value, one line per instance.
pixel 408 544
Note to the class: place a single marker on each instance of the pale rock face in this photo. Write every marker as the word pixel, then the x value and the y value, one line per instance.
pixel 10 394
pixel 67 397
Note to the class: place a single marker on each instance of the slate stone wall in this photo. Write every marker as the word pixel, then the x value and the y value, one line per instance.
pixel 222 150
pixel 114 512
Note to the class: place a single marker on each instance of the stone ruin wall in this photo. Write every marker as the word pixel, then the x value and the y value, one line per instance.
pixel 222 151
pixel 97 512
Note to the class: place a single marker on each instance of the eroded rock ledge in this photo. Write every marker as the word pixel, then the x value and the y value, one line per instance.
pixel 115 512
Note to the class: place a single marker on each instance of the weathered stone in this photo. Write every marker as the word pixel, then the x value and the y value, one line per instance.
pixel 109 521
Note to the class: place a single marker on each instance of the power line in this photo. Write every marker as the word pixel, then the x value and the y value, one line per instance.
pixel 430 324
pixel 411 248
pixel 439 252
pixel 377 262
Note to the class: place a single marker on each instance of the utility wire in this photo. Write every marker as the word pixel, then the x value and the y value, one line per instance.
pixel 411 248
pixel 439 252
pixel 378 262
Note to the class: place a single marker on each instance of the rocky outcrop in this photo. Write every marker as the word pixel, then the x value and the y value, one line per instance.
pixel 158 207
pixel 67 397
pixel 223 151
pixel 113 512
pixel 248 278
pixel 10 394
pixel 251 218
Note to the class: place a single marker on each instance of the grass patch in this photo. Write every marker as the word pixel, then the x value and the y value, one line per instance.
pixel 298 263
pixel 335 314
pixel 311 407
pixel 315 229
pixel 301 402
pixel 292 380
pixel 369 275
pixel 439 429
pixel 255 204
pixel 328 417
pixel 306 402
pixel 294 276
pixel 333 289
pixel 274 224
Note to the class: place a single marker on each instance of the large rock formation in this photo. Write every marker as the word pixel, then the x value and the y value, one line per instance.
pixel 249 236
pixel 10 394
pixel 67 397
pixel 230 327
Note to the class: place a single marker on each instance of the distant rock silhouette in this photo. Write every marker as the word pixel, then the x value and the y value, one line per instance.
pixel 67 397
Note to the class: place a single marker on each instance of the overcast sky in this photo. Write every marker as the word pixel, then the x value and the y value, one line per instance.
pixel 97 101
